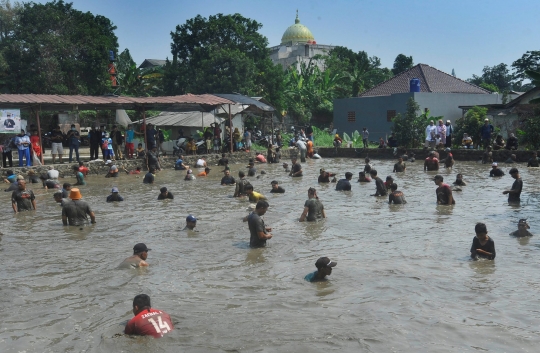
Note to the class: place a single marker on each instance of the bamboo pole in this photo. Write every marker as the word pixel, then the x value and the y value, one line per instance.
pixel 39 134
pixel 230 129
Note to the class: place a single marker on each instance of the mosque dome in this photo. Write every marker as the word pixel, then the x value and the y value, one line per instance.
pixel 297 33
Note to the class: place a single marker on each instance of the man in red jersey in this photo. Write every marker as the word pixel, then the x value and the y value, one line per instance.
pixel 148 321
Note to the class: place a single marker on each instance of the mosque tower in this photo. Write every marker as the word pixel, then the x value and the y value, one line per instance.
pixel 298 45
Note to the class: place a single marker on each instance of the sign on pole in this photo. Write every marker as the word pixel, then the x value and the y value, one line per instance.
pixel 10 121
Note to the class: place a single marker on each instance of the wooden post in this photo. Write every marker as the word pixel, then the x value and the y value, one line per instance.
pixel 230 129
pixel 39 134
pixel 145 140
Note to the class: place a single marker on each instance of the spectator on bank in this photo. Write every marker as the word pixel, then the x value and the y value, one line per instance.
pixel 512 143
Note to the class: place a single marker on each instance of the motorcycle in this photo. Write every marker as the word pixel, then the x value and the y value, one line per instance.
pixel 180 146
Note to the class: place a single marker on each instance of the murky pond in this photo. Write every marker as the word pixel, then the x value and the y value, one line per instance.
pixel 403 283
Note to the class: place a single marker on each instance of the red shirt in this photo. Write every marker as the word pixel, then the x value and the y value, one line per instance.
pixel 260 158
pixel 83 170
pixel 135 172
pixel 150 322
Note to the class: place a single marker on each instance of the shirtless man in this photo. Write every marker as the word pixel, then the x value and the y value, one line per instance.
pixel 138 259
pixel 431 163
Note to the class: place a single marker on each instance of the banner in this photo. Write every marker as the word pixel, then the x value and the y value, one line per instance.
pixel 10 121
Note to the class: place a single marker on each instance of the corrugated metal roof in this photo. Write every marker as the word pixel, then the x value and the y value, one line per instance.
pixel 431 80
pixel 188 119
pixel 191 102
pixel 241 99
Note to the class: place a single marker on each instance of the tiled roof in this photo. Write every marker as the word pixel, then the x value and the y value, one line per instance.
pixel 431 80
pixel 151 63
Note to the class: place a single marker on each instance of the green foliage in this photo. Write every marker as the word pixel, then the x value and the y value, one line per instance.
pixel 409 130
pixel 360 71
pixel 310 92
pixel 530 135
pixel 530 61
pixel 402 63
pixel 535 80
pixel 321 138
pixel 489 86
pixel 54 49
pixel 471 124
pixel 222 54
pixel 498 76
pixel 138 82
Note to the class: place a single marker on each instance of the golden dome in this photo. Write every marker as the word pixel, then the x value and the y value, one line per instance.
pixel 297 33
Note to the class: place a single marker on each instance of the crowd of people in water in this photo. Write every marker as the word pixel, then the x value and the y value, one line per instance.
pixel 150 321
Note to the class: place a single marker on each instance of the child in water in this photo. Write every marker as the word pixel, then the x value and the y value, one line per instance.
pixel 482 245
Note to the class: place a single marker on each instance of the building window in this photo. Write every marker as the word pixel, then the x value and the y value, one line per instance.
pixel 307 50
pixel 351 117
pixel 390 114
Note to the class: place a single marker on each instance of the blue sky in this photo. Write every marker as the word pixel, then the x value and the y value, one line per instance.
pixel 461 35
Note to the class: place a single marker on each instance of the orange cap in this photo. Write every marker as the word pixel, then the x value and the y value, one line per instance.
pixel 75 194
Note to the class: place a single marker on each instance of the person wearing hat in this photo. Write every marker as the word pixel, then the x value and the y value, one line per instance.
pixel 533 161
pixel 259 232
pixel 515 192
pixel 522 231
pixel 467 142
pixel 276 189
pixel 189 175
pixel 149 177
pixel 495 170
pixel 78 175
pixel 324 268
pixel 204 173
pixel 449 132
pixel 485 133
pixel 22 199
pixel 444 192
pixel 191 223
pixel 113 170
pixel 344 184
pixel 399 167
pixel 165 194
pixel 75 212
pixel 227 179
pixel 115 195
pixel 138 259
pixel 148 321
pixel 431 163
pixel 482 246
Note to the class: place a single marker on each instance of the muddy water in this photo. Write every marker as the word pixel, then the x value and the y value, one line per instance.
pixel 403 283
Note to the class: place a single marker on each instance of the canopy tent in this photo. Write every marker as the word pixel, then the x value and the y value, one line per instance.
pixel 187 119
pixel 40 102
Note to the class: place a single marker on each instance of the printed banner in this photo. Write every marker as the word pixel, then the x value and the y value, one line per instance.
pixel 10 121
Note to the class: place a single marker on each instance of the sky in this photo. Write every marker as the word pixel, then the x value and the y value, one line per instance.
pixel 463 35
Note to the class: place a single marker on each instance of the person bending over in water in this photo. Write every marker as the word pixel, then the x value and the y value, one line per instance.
pixel 396 196
pixel 324 268
pixel 138 259
pixel 362 178
pixel 444 192
pixel 324 176
pixel 148 321
pixel 482 245
pixel 379 184
pixel 313 207
pixel 252 195
pixel 522 231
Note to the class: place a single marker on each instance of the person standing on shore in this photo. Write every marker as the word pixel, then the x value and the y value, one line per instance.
pixel 23 144
pixel 485 133
pixel 117 140
pixel 57 137
pixel 449 132
pixel 74 139
pixel 94 137
pixel 441 131
pixel 365 137
pixel 515 192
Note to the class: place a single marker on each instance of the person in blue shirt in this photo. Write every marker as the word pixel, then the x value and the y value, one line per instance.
pixel 179 165
pixel 324 268
pixel 485 133
pixel 115 195
pixel 344 184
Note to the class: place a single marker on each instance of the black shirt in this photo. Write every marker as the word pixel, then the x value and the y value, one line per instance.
pixel 399 167
pixel 381 188
pixel 497 172
pixel 169 196
pixel 228 180
pixel 223 161
pixel 315 209
pixel 343 185
pixel 256 225
pixel 518 185
pixel 443 194
pixel 279 190
pixel 57 136
pixel 533 162
pixel 148 178
pixel 295 169
pixel 324 178
pixel 396 197
pixel 489 246
pixel 252 171
pixel 23 199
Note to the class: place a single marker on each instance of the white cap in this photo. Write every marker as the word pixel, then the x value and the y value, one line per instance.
pixel 494 164
pixel 108 161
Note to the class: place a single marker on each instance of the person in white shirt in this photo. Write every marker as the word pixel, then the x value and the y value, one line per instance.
pixel 201 163
pixel 365 137
pixel 303 149
pixel 23 145
pixel 52 173
pixel 431 131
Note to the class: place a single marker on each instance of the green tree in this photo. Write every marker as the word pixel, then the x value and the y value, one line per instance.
pixel 402 63
pixel 530 61
pixel 410 129
pixel 471 124
pixel 489 86
pixel 497 75
pixel 56 49
pixel 222 54
pixel 138 82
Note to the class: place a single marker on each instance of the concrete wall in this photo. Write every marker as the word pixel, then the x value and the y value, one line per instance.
pixel 371 112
